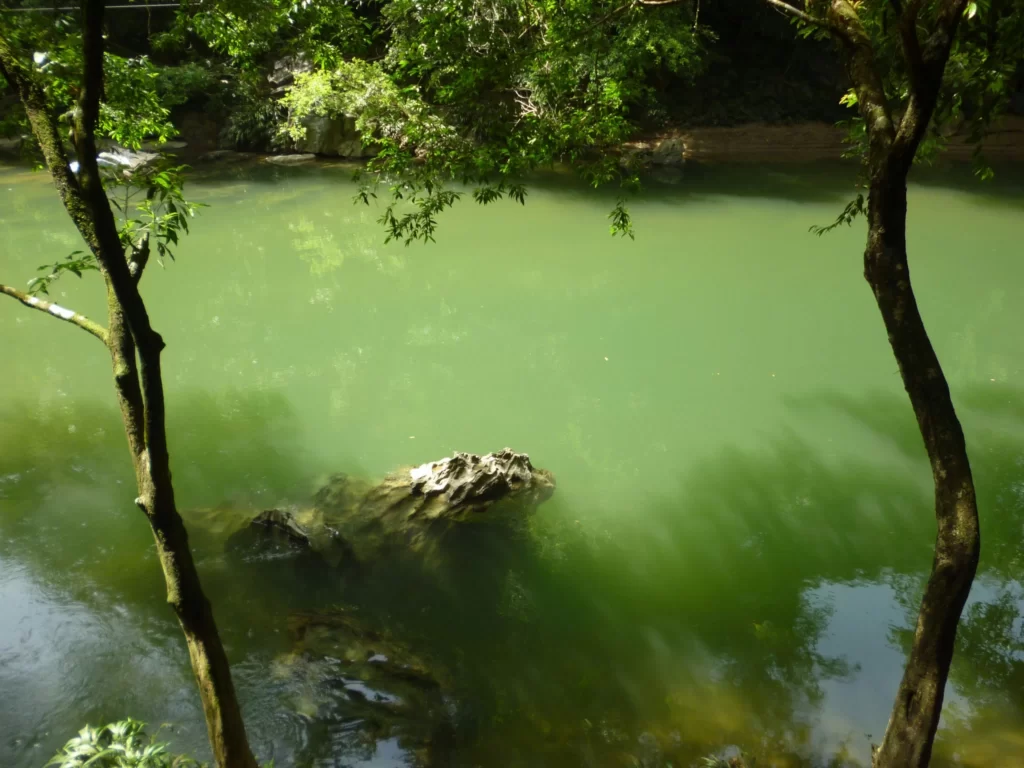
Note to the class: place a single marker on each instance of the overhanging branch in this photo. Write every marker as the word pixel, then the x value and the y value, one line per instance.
pixel 61 313
pixel 815 21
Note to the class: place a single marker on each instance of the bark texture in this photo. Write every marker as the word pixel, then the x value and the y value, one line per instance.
pixel 892 145
pixel 135 350
pixel 915 716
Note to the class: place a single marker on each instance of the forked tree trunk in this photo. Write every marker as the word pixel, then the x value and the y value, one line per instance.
pixel 135 355
pixel 915 716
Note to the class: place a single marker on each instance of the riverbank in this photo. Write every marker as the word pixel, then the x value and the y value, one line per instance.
pixel 799 142
pixel 807 142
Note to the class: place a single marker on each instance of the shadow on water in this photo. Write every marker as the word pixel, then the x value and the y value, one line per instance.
pixel 686 623
pixel 818 182
pixel 705 621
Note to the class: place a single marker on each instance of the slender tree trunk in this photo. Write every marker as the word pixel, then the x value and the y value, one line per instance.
pixel 135 356
pixel 142 414
pixel 915 716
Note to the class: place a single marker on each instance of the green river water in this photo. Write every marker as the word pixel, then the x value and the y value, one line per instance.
pixel 743 517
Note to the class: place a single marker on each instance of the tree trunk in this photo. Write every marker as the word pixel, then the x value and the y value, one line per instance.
pixel 142 411
pixel 195 615
pixel 135 355
pixel 915 716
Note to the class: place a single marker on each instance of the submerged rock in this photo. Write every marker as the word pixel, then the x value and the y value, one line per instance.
pixel 282 526
pixel 354 675
pixel 167 146
pixel 224 156
pixel 277 533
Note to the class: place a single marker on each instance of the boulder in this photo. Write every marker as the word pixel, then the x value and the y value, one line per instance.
pixel 126 161
pixel 290 159
pixel 418 506
pixel 411 510
pixel 283 73
pixel 333 137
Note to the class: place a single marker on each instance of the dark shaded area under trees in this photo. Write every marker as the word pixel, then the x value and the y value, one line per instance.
pixel 754 68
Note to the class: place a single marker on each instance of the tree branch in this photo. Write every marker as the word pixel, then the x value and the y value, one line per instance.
pixel 57 311
pixel 924 93
pixel 139 259
pixel 863 70
pixel 911 45
pixel 814 21
pixel 45 129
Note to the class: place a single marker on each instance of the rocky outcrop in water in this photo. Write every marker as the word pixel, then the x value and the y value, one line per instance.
pixel 350 676
pixel 411 510
pixel 460 488
pixel 416 508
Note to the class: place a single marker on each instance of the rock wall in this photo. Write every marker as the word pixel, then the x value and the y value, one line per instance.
pixel 333 137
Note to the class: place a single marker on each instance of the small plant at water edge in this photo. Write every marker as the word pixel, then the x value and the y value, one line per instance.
pixel 118 745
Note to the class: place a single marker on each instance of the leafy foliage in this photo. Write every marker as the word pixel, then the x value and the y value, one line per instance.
pixel 976 81
pixel 254 119
pixel 132 110
pixel 482 93
pixel 151 208
pixel 852 210
pixel 123 744
pixel 75 263
pixel 245 30
pixel 184 82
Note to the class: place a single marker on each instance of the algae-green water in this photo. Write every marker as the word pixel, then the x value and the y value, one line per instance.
pixel 742 522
